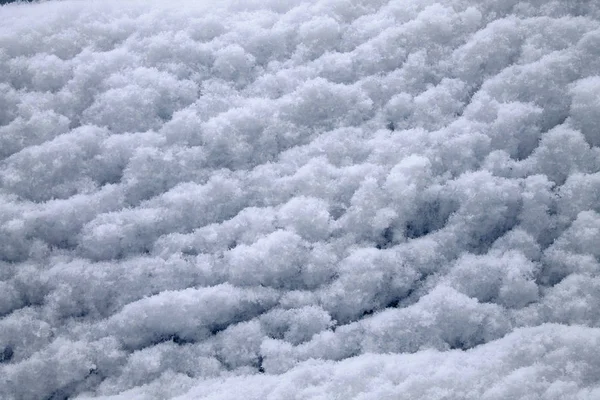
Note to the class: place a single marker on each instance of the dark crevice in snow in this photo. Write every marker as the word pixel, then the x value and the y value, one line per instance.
pixel 6 355
pixel 432 216
pixel 386 239
pixel 261 369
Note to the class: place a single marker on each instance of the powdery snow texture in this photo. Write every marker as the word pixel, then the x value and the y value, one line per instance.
pixel 324 199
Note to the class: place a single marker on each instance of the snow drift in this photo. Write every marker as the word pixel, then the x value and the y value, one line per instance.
pixel 300 199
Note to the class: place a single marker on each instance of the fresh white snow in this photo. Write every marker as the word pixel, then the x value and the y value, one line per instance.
pixel 300 199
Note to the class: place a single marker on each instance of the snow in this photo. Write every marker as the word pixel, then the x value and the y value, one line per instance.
pixel 303 199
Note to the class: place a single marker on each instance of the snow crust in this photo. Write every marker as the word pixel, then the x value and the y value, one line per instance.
pixel 289 199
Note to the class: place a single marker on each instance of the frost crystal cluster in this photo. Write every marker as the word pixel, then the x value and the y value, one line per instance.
pixel 287 199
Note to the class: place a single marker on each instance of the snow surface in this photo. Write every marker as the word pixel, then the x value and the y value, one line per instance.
pixel 285 199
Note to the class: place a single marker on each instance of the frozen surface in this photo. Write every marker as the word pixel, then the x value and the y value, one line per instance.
pixel 326 199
